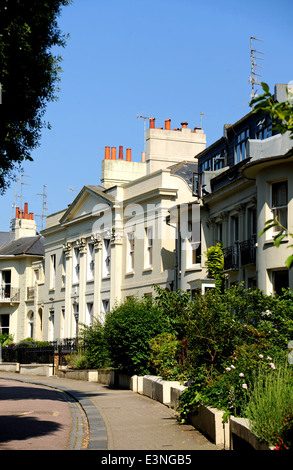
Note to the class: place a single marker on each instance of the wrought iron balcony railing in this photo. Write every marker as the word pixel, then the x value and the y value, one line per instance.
pixel 9 294
pixel 248 252
pixel 231 257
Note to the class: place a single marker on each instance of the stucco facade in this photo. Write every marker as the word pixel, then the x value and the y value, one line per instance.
pixel 116 240
pixel 252 186
pixel 21 275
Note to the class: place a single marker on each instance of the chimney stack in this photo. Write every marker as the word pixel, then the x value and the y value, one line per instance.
pixel 107 153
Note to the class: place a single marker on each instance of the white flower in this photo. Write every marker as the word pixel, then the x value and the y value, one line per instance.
pixel 232 367
pixel 272 365
pixel 269 358
pixel 241 374
pixel 244 386
pixel 261 356
pixel 228 368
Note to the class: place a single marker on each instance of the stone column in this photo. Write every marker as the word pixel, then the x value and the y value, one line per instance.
pixel 97 240
pixel 67 248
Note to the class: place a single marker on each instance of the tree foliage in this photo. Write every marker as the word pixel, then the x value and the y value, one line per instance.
pixel 215 265
pixel 29 72
pixel 281 112
pixel 282 117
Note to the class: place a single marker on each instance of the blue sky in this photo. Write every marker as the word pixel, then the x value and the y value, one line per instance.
pixel 157 58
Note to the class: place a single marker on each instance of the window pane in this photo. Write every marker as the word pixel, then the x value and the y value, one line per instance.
pixel 279 194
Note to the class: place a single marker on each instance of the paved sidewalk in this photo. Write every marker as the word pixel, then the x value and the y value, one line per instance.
pixel 117 419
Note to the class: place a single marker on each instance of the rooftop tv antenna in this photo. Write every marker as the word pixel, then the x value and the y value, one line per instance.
pixel 252 79
pixel 145 118
pixel 201 116
pixel 14 202
pixel 72 191
pixel 44 206
pixel 22 183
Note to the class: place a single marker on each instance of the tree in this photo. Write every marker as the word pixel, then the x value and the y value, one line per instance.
pixel 28 74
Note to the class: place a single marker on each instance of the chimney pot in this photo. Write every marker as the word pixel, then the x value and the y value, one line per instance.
pixel 17 215
pixel 107 153
pixel 128 155
pixel 26 210
pixel 113 153
pixel 167 124
pixel 31 216
pixel 152 123
pixel 120 152
pixel 184 125
pixel 142 157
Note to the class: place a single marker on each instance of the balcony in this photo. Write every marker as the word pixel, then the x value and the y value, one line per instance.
pixel 248 252
pixel 9 294
pixel 231 258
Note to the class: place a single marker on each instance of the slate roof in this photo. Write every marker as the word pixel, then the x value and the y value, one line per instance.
pixel 184 170
pixel 33 246
pixel 6 237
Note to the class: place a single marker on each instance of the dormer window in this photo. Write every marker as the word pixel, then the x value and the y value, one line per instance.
pixel 240 146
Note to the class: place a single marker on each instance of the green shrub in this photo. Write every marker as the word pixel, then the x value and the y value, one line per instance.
pixel 93 342
pixel 270 403
pixel 78 361
pixel 5 339
pixel 129 327
pixel 164 354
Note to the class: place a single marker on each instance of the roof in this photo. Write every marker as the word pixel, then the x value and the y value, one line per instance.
pixel 6 237
pixel 95 190
pixel 33 246
pixel 184 170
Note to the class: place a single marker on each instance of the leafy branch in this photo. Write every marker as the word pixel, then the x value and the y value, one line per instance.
pixel 281 112
pixel 282 233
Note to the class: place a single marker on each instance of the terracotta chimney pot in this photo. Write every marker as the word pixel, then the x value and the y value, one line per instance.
pixel 113 153
pixel 167 124
pixel 26 210
pixel 17 215
pixel 107 153
pixel 142 157
pixel 120 152
pixel 128 155
pixel 31 216
pixel 152 123
pixel 184 125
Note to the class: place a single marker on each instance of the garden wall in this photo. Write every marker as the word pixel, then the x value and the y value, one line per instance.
pixel 232 435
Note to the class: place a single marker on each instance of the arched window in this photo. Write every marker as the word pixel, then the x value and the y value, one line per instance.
pixel 30 324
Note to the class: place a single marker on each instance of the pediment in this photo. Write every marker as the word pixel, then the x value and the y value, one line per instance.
pixel 90 202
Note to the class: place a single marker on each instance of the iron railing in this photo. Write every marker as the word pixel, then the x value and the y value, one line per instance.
pixel 9 294
pixel 231 257
pixel 248 252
